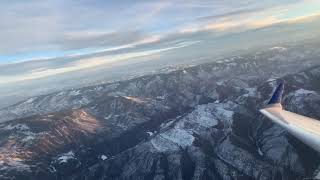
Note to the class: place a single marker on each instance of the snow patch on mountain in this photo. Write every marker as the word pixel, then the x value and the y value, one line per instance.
pixel 64 158
pixel 180 137
pixel 74 93
pixel 150 133
pixel 103 157
pixel 30 100
pixel 20 127
pixel 13 163
pixel 251 91
pixel 303 92
pixel 300 94
pixel 196 122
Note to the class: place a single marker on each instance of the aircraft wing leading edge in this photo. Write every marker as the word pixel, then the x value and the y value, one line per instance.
pixel 304 128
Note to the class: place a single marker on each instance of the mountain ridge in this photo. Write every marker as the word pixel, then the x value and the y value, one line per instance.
pixel 200 122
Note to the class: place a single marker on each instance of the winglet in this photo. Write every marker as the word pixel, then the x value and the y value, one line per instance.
pixel 277 95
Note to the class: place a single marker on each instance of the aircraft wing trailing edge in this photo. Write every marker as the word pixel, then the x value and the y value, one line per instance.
pixel 304 128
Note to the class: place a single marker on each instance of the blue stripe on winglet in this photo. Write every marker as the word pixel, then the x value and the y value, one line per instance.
pixel 277 95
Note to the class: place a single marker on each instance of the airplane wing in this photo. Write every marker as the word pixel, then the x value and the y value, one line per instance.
pixel 304 128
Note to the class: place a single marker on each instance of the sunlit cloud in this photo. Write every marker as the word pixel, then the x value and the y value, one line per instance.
pixel 89 63
pixel 48 26
pixel 243 20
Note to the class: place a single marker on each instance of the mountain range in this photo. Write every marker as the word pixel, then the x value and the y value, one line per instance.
pixel 189 123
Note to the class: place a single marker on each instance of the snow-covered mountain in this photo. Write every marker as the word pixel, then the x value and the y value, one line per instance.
pixel 200 122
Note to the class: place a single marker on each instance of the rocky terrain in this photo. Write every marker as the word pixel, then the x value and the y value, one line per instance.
pixel 200 122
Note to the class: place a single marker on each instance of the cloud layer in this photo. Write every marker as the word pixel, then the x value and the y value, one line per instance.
pixel 54 28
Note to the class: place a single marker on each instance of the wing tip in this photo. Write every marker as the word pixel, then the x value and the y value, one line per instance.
pixel 277 95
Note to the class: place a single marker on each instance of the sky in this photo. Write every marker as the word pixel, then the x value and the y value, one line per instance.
pixel 46 29
pixel 52 45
